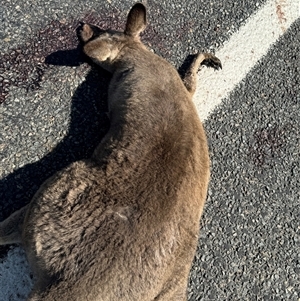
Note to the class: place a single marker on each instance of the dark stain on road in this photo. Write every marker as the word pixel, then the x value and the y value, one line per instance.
pixel 25 66
pixel 266 144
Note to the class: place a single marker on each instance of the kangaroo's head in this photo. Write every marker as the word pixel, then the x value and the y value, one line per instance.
pixel 104 46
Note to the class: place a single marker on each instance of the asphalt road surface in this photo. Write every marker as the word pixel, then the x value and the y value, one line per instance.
pixel 52 112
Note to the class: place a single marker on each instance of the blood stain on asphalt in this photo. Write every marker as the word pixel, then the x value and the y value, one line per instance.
pixel 25 66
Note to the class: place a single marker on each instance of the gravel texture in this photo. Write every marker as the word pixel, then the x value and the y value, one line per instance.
pixel 52 112
pixel 249 245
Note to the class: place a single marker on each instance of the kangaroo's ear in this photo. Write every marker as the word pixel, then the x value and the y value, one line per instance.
pixel 136 20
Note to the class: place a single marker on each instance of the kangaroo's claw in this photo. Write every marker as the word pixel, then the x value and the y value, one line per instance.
pixel 212 61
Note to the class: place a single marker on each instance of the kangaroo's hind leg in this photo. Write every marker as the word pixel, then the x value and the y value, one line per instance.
pixel 190 76
pixel 11 228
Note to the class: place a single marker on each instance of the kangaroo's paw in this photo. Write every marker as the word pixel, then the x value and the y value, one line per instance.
pixel 210 60
pixel 190 75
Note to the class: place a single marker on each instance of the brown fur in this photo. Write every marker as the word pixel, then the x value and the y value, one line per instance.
pixel 123 225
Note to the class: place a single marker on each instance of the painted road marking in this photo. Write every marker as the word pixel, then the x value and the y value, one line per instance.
pixel 15 279
pixel 242 51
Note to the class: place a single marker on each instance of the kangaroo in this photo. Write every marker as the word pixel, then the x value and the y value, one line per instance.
pixel 123 224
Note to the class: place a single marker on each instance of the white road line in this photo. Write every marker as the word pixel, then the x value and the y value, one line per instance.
pixel 242 51
pixel 15 279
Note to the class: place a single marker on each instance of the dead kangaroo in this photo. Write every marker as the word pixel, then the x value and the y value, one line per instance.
pixel 123 225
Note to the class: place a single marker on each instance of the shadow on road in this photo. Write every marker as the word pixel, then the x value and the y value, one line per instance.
pixel 87 127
